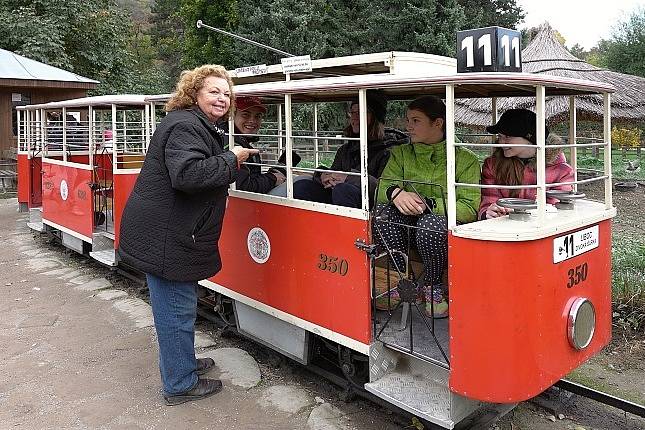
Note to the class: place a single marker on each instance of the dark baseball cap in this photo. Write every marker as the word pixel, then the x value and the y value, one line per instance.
pixel 517 122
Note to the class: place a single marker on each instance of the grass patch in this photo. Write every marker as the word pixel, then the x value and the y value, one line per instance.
pixel 628 283
pixel 618 165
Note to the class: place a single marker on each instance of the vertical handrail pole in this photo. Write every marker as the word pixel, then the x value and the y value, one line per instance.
pixel 607 156
pixel 541 152
pixel 289 144
pixel 451 191
pixel 362 106
pixel 64 134
pixel 316 157
pixel 573 151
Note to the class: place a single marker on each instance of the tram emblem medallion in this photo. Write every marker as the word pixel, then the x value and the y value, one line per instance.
pixel 64 190
pixel 258 245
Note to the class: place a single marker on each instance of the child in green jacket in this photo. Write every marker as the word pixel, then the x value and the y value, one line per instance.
pixel 424 160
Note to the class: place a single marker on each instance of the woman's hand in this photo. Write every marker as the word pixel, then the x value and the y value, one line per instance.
pixel 242 153
pixel 408 203
pixel 279 177
pixel 495 211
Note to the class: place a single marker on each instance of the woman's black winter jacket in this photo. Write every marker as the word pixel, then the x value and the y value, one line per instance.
pixel 172 221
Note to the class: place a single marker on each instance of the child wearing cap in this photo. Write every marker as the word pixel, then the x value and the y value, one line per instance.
pixel 512 165
pixel 249 113
pixel 422 219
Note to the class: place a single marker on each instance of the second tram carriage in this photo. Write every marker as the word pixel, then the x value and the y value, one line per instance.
pixel 303 277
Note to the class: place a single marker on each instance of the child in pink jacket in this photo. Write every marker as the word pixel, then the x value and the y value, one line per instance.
pixel 516 165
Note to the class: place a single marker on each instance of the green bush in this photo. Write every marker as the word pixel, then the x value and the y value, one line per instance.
pixel 628 282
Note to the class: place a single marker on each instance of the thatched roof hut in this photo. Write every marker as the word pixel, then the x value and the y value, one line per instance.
pixel 546 55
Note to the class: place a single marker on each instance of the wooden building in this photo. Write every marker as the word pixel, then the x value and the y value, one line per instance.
pixel 24 81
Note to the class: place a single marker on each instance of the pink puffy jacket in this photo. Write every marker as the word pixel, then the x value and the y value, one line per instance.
pixel 556 171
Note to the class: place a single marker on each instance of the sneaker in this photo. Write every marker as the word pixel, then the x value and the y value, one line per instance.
pixel 204 365
pixel 204 388
pixel 436 303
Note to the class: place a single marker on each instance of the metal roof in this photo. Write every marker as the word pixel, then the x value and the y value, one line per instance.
pixel 14 66
pixel 466 85
pixel 404 87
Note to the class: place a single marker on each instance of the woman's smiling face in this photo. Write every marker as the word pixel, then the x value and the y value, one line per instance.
pixel 214 97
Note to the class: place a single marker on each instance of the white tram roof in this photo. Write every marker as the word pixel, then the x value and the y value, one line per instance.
pixel 470 85
pixel 389 62
pixel 106 100
pixel 467 85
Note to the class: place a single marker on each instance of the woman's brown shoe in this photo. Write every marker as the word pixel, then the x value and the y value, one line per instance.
pixel 204 388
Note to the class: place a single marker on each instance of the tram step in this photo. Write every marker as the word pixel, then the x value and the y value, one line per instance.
pixel 106 234
pixel 36 226
pixel 106 256
pixel 417 386
pixel 36 215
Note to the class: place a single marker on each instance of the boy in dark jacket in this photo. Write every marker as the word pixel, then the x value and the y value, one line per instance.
pixel 342 189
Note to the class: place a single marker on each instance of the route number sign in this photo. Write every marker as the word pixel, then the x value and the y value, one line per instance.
pixel 489 49
pixel 572 244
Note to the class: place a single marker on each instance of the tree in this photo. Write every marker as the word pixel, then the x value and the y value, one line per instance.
pixel 202 46
pixel 167 33
pixel 88 37
pixel 579 51
pixel 486 13
pixel 625 51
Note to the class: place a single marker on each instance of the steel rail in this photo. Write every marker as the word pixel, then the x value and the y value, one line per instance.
pixel 599 396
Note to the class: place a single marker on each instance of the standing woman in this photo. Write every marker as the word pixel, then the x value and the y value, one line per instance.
pixel 424 160
pixel 172 221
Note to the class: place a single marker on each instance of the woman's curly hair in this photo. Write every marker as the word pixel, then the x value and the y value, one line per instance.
pixel 191 81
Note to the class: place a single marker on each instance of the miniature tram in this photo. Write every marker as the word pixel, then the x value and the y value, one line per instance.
pixel 530 294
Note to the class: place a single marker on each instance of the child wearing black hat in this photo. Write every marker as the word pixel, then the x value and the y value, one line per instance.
pixel 515 165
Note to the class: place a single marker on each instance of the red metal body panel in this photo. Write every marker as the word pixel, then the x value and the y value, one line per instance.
pixel 508 315
pixel 76 211
pixel 292 279
pixel 103 167
pixel 36 181
pixel 123 185
pixel 24 182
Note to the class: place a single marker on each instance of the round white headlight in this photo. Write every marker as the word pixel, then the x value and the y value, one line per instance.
pixel 581 323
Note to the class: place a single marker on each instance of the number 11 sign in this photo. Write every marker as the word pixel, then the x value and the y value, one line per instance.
pixel 489 49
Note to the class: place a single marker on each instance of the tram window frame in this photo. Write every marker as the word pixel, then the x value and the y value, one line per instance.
pixel 288 137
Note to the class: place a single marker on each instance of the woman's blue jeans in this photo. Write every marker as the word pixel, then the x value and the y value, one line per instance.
pixel 174 307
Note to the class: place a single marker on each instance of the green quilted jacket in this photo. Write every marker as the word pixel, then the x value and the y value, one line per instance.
pixel 427 163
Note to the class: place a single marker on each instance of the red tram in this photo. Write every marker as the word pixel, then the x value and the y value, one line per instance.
pixel 73 159
pixel 530 295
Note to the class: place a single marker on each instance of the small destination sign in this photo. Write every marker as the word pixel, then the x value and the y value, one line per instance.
pixel 258 69
pixel 572 244
pixel 296 64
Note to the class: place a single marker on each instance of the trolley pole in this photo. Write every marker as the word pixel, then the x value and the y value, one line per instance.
pixel 200 24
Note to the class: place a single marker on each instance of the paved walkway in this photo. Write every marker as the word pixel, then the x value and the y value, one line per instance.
pixel 77 354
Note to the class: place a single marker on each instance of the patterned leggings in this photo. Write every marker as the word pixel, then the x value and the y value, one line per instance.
pixel 430 238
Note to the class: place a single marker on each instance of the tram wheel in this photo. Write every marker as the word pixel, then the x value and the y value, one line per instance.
pixel 355 367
